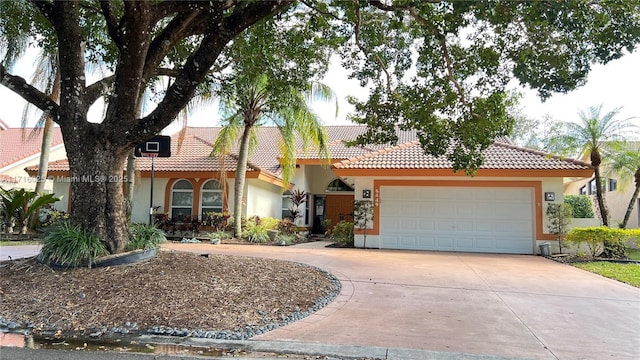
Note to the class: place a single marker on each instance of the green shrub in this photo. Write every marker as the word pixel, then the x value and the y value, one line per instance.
pixel 145 236
pixel 559 219
pixel 68 245
pixel 342 234
pixel 286 226
pixel 270 223
pixel 254 231
pixel 217 220
pixel 599 238
pixel 285 239
pixel 218 235
pixel 581 205
pixel 54 217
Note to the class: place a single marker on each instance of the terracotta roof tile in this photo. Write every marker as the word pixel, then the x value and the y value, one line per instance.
pixel 20 143
pixel 500 155
pixel 198 141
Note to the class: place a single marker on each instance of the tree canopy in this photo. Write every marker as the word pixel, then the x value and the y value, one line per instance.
pixel 441 67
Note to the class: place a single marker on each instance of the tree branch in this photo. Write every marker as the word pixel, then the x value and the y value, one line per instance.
pixel 112 22
pixel 326 13
pixel 244 16
pixel 181 26
pixel 383 66
pixel 98 89
pixel 445 53
pixel 221 30
pixel 32 95
pixel 45 8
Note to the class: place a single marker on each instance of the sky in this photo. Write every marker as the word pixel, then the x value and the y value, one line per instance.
pixel 614 85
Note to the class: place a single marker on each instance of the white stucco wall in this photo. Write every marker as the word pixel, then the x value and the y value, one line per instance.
pixel 61 189
pixel 141 196
pixel 318 178
pixel 263 199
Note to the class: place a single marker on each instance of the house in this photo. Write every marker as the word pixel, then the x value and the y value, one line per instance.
pixel 617 195
pixel 418 201
pixel 20 148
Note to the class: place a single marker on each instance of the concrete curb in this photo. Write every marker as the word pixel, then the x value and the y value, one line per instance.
pixel 332 351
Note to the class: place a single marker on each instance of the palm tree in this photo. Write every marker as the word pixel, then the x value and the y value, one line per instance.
pixel 249 102
pixel 592 137
pixel 626 164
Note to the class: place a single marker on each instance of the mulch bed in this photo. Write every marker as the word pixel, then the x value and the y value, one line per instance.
pixel 174 289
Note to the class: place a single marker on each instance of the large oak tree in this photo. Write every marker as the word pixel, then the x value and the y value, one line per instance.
pixel 441 67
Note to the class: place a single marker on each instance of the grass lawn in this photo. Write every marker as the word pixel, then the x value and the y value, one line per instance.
pixel 626 273
pixel 634 254
pixel 16 243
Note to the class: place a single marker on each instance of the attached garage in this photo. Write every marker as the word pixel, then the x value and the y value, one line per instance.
pixel 420 203
pixel 469 219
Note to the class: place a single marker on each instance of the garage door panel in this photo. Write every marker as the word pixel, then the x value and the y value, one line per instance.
pixel 444 243
pixel 427 225
pixel 457 219
pixel 485 244
pixel 516 227
pixel 465 212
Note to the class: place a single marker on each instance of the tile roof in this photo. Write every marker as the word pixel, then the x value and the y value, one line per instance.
pixel 193 154
pixel 501 155
pixel 20 143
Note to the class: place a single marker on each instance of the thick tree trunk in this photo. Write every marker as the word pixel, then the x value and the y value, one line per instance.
pixel 96 170
pixel 604 215
pixel 241 170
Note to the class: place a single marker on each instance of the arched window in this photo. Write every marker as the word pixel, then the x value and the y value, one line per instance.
pixel 211 198
pixel 338 185
pixel 181 199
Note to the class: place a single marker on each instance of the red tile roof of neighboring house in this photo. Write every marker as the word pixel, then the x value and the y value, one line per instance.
pixel 20 143
pixel 193 154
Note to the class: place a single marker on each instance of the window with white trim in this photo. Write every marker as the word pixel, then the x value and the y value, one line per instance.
pixel 211 198
pixel 181 199
pixel 286 205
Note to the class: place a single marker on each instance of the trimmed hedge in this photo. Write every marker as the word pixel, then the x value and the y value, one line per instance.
pixel 603 240
pixel 581 205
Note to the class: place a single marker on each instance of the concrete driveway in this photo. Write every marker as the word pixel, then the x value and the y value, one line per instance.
pixel 485 304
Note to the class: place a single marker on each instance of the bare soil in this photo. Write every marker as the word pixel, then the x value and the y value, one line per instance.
pixel 173 289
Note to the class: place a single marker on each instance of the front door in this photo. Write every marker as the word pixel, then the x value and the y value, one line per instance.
pixel 339 207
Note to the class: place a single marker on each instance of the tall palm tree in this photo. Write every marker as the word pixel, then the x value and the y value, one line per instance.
pixel 254 101
pixel 592 137
pixel 626 164
pixel 46 73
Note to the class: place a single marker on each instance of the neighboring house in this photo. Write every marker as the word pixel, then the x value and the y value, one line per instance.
pixel 616 195
pixel 20 148
pixel 419 202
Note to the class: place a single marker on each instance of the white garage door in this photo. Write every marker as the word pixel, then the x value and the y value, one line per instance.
pixel 457 219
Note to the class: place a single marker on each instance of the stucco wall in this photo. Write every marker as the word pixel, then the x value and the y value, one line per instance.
pixel 62 189
pixel 263 199
pixel 141 196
